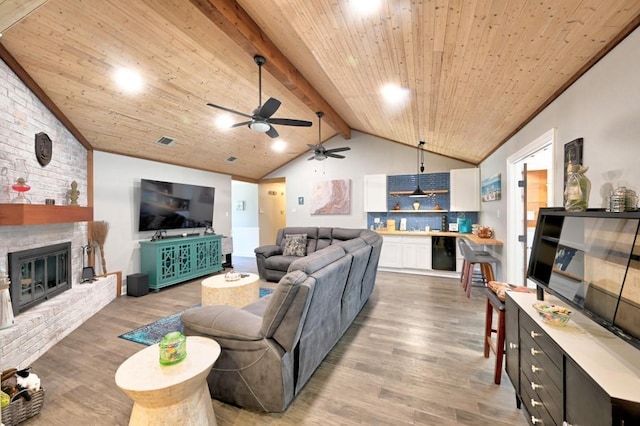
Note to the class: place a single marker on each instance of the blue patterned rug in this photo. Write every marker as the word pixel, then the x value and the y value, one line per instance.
pixel 152 333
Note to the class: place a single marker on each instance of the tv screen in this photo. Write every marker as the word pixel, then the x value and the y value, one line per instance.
pixel 169 205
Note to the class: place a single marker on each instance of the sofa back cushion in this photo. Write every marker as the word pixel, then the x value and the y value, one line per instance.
pixel 343 234
pixel 353 289
pixel 287 305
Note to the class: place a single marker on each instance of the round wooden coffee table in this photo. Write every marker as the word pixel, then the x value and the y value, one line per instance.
pixel 171 394
pixel 218 291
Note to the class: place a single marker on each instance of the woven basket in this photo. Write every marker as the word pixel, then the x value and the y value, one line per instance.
pixel 20 410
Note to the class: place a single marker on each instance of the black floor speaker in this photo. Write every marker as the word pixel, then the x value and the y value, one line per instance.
pixel 137 285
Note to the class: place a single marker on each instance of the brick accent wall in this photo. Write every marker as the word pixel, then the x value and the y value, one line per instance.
pixel 22 115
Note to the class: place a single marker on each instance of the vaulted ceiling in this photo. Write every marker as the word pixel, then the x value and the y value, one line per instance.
pixel 472 72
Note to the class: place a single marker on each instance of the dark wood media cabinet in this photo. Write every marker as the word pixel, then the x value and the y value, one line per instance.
pixel 580 374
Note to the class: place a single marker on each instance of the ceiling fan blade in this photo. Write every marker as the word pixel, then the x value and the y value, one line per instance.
pixel 328 154
pixel 312 147
pixel 311 158
pixel 290 122
pixel 230 110
pixel 244 123
pixel 272 132
pixel 269 108
pixel 346 148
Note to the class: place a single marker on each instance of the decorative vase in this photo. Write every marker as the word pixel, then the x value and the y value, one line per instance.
pixel 22 173
pixel 576 193
pixel 416 205
pixel 20 187
pixel 397 206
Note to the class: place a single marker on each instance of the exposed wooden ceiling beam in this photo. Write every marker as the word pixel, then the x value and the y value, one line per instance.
pixel 13 11
pixel 243 30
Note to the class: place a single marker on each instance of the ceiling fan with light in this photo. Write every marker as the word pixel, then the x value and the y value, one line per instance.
pixel 261 120
pixel 319 151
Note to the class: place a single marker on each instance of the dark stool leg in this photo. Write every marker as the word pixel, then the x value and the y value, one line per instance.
pixel 488 320
pixel 499 348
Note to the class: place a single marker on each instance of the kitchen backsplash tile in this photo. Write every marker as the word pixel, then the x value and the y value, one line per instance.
pixel 418 221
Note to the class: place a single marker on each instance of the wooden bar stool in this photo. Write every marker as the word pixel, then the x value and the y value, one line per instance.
pixel 471 259
pixel 497 345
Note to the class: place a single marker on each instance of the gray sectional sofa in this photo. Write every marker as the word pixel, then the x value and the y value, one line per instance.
pixel 273 263
pixel 271 347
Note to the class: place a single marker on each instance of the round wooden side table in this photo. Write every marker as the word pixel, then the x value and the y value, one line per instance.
pixel 172 394
pixel 239 293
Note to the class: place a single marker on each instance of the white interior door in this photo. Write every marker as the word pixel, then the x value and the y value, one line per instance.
pixel 535 157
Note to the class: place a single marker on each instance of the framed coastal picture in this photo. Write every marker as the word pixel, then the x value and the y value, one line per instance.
pixel 492 188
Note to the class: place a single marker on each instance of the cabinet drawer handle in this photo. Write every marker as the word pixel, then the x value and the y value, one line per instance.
pixel 535 351
pixel 513 345
pixel 535 386
pixel 534 334
pixel 534 368
pixel 535 420
pixel 534 402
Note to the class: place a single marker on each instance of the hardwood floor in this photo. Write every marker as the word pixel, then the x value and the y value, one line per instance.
pixel 413 356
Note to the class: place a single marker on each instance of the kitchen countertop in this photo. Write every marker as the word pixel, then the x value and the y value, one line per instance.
pixel 471 237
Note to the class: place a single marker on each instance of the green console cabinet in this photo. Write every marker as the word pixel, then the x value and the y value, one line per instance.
pixel 174 260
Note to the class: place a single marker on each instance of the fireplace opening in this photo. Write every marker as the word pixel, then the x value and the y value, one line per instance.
pixel 39 274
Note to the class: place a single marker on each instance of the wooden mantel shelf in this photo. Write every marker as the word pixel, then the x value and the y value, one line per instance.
pixel 41 214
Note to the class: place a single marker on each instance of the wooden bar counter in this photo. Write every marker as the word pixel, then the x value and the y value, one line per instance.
pixel 474 239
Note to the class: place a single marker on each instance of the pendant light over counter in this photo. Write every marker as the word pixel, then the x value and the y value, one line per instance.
pixel 420 169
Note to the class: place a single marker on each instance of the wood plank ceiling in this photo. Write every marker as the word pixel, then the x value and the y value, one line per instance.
pixel 474 71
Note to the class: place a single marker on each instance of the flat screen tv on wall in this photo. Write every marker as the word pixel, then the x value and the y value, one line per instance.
pixel 170 205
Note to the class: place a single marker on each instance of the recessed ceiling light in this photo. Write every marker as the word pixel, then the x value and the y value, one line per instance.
pixel 365 7
pixel 224 121
pixel 394 94
pixel 128 80
pixel 279 145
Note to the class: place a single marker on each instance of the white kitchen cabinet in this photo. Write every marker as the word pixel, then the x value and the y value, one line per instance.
pixel 375 193
pixel 416 252
pixel 391 254
pixel 407 253
pixel 464 188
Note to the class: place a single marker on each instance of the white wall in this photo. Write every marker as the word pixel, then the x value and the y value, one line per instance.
pixel 603 107
pixel 368 155
pixel 246 233
pixel 116 200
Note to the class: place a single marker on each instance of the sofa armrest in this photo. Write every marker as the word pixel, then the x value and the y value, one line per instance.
pixel 268 251
pixel 227 322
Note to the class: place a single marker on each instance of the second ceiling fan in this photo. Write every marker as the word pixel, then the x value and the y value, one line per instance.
pixel 261 120
pixel 319 151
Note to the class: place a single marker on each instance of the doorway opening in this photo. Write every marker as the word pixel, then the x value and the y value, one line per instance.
pixel 531 178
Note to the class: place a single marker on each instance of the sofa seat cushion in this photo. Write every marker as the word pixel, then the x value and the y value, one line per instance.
pixel 294 245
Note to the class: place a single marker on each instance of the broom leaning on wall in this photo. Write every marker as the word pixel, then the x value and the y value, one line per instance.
pixel 99 231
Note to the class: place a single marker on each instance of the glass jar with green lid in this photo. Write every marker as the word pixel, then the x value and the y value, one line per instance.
pixel 173 348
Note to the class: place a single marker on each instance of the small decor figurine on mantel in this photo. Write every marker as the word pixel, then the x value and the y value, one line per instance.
pixel 416 205
pixel 73 194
